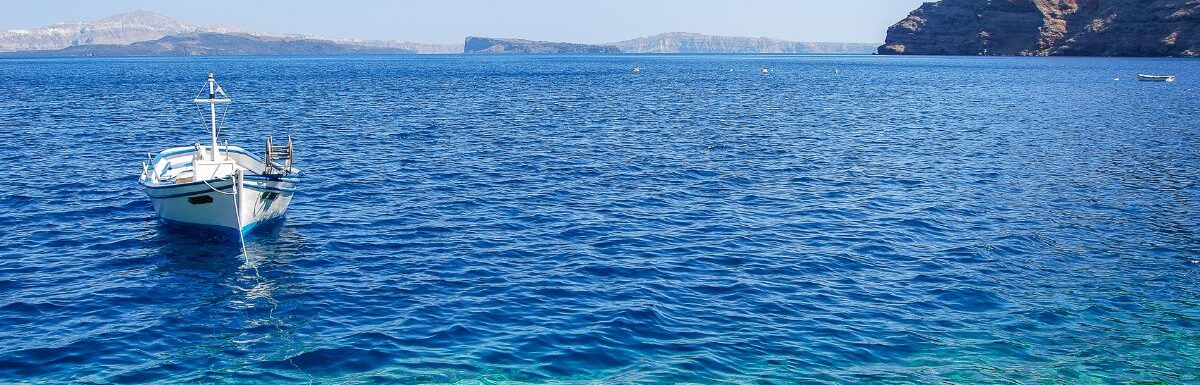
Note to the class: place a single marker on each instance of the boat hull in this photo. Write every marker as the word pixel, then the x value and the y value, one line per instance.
pixel 218 205
pixel 1156 78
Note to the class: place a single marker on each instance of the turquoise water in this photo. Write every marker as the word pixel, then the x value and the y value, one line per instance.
pixel 537 219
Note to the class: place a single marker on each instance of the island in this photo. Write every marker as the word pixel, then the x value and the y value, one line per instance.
pixel 145 33
pixel 210 43
pixel 489 45
pixel 686 42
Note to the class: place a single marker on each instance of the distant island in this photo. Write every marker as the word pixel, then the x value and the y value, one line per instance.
pixel 674 42
pixel 684 42
pixel 210 43
pixel 145 33
pixel 1048 28
pixel 500 45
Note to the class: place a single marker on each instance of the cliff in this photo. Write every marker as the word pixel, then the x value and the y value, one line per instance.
pixel 1049 27
pixel 207 43
pixel 487 45
pixel 684 42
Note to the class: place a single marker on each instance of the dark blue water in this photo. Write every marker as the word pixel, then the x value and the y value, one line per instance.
pixel 560 219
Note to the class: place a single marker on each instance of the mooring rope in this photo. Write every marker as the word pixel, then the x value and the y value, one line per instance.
pixel 215 189
pixel 237 209
pixel 237 213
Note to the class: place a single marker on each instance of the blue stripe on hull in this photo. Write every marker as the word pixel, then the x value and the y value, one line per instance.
pixel 229 187
pixel 191 193
pixel 268 189
pixel 258 178
pixel 246 229
pixel 188 184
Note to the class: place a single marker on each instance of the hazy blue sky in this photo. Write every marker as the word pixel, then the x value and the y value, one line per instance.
pixel 444 21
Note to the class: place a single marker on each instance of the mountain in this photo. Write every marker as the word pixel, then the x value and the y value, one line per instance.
pixel 123 28
pixel 1049 27
pixel 141 26
pixel 210 43
pixel 683 42
pixel 487 45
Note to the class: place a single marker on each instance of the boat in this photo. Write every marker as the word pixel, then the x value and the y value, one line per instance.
pixel 1156 78
pixel 218 186
pixel 637 69
pixel 764 70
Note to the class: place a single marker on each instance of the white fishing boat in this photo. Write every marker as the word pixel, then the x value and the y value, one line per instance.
pixel 219 186
pixel 1156 78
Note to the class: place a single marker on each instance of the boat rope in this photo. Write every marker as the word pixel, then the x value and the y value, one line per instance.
pixel 221 122
pixel 204 117
pixel 215 189
pixel 237 213
pixel 237 210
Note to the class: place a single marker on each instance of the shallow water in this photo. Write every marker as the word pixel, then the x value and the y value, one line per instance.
pixel 562 219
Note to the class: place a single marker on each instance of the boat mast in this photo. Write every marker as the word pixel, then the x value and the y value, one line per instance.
pixel 212 109
pixel 212 101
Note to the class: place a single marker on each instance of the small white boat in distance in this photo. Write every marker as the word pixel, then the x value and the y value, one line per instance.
pixel 220 187
pixel 1156 78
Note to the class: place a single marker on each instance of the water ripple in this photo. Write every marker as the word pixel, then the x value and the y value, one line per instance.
pixel 557 219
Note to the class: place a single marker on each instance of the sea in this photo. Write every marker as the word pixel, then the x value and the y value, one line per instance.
pixel 563 219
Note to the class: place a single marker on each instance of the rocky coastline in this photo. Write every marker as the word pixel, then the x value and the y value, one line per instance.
pixel 1048 28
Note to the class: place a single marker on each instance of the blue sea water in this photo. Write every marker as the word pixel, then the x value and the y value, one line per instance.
pixel 488 219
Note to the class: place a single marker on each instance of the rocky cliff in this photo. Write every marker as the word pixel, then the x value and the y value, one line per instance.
pixel 494 45
pixel 684 42
pixel 1049 27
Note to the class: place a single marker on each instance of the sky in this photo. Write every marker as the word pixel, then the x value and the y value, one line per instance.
pixel 449 21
